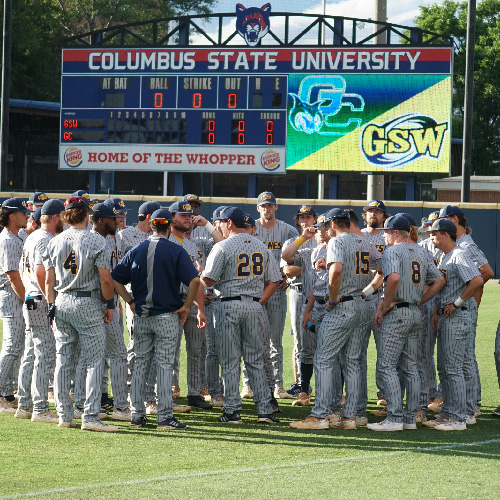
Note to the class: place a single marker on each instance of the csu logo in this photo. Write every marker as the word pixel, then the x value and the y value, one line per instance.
pixel 318 101
pixel 403 140
pixel 252 23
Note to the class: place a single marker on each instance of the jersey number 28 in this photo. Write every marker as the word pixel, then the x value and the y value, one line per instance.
pixel 247 264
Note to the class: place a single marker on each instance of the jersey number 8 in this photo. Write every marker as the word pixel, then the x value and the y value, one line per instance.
pixel 247 264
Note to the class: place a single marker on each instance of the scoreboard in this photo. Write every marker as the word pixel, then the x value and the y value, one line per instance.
pixel 254 110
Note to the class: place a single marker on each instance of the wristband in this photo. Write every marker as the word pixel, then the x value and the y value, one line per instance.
pixel 110 304
pixel 369 290
pixel 131 301
pixel 458 302
pixel 300 240
pixel 209 227
pixel 331 303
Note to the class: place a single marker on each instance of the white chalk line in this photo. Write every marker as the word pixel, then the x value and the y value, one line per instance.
pixel 244 469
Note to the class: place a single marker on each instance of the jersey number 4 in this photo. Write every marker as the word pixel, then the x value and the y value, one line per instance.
pixel 70 263
pixel 247 264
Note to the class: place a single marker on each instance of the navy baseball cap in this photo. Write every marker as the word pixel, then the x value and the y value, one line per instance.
pixel 233 213
pixel 75 202
pixel 36 215
pixel 161 216
pixel 449 211
pixel 181 207
pixel 306 210
pixel 374 204
pixel 14 205
pixel 320 222
pixel 397 222
pixel 266 197
pixel 192 197
pixel 93 201
pixel 217 211
pixel 336 213
pixel 432 217
pixel 443 225
pixel 148 207
pixel 117 203
pixel 38 198
pixel 81 193
pixel 103 210
pixel 52 207
pixel 249 220
pixel 409 218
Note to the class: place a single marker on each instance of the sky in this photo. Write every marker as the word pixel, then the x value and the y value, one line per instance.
pixel 398 11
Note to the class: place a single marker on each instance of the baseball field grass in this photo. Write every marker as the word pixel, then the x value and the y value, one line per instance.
pixel 210 460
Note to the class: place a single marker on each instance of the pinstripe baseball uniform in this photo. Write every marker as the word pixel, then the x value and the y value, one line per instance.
pixel 75 255
pixel 344 325
pixel 470 364
pixel 115 346
pixel 276 306
pixel 155 269
pixel 401 327
pixel 239 265
pixel 34 376
pixel 453 333
pixel 128 238
pixel 377 239
pixel 11 312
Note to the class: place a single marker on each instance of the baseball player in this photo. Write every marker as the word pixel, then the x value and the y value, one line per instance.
pixel 374 215
pixel 104 223
pixel 195 202
pixel 181 224
pixel 399 319
pixel 36 200
pixel 37 365
pixel 452 319
pixel 465 241
pixel 121 210
pixel 155 269
pixel 349 259
pixel 77 264
pixel 273 233
pixel 240 267
pixel 13 217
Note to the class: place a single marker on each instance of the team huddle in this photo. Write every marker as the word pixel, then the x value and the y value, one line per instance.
pixel 223 284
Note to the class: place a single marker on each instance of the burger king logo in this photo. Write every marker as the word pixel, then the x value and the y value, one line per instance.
pixel 270 160
pixel 73 157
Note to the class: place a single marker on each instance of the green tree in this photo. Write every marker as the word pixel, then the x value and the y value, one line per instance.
pixel 450 18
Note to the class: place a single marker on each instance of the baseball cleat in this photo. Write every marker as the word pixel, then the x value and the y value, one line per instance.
pixel 66 425
pixel 294 390
pixel 98 426
pixel 381 401
pixel 23 412
pixel 303 399
pixel 176 391
pixel 267 419
pixel 379 413
pixel 199 402
pixel 137 422
pixel 334 419
pixel 181 409
pixel 496 412
pixel 409 427
pixel 435 421
pixel 107 405
pixel 217 401
pixel 348 423
pixel 477 411
pixel 470 419
pixel 170 423
pixel 122 415
pixel 47 417
pixel 421 416
pixel 312 423
pixel 436 405
pixel 361 420
pixel 274 405
pixel 451 425
pixel 5 406
pixel 280 393
pixel 151 408
pixel 230 418
pixel 386 425
pixel 79 413
pixel 246 392
pixel 205 394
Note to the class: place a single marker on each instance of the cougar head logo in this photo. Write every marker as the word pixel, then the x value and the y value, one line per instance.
pixel 252 23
